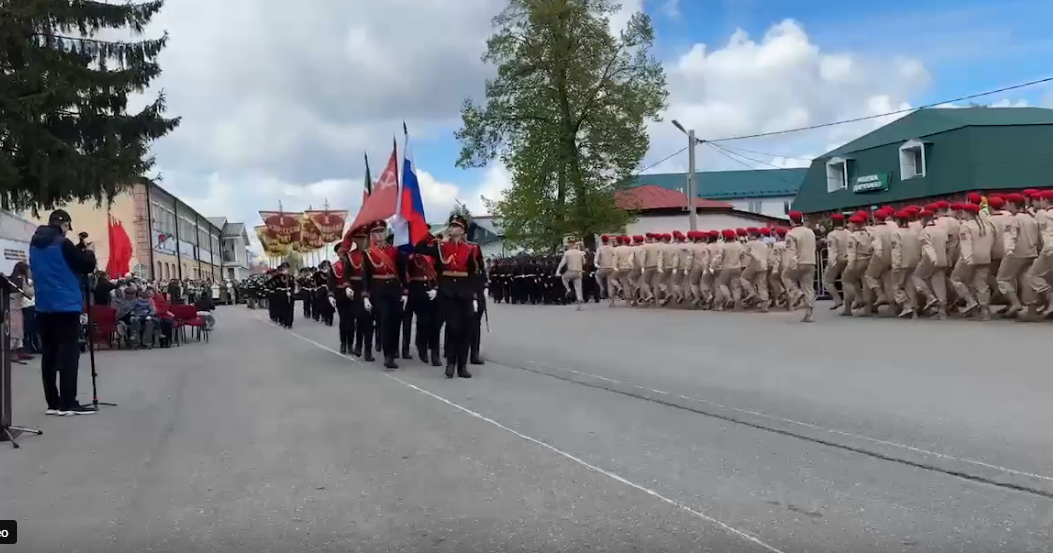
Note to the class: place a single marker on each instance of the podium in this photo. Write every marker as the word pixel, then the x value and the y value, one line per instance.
pixel 8 432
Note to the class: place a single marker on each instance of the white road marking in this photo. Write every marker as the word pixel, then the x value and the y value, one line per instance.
pixel 811 426
pixel 727 527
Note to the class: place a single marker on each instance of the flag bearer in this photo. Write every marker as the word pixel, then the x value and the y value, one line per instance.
pixel 456 266
pixel 423 281
pixel 383 289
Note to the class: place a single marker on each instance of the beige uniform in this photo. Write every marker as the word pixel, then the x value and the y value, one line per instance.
pixel 729 278
pixel 1021 248
pixel 878 276
pixel 709 275
pixel 699 262
pixel 605 268
pixel 1038 275
pixel 637 276
pixel 775 252
pixel 951 225
pixel 906 253
pixel 836 261
pixel 860 251
pixel 755 272
pixel 574 261
pixel 800 245
pixel 669 262
pixel 623 267
pixel 969 277
pixel 999 221
pixel 651 255
pixel 930 277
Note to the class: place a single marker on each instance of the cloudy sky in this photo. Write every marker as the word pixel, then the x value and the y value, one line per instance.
pixel 281 100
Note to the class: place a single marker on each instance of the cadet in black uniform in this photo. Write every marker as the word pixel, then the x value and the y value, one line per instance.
pixel 384 287
pixel 305 282
pixel 340 296
pixel 456 265
pixel 480 281
pixel 420 303
pixel 323 308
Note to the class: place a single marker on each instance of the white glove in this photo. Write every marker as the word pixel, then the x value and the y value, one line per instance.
pixel 432 294
pixel 367 304
pixel 404 299
pixel 349 293
pixel 686 271
pixel 555 273
pixel 659 270
pixel 332 301
pixel 475 306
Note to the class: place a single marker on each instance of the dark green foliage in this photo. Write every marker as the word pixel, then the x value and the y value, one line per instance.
pixel 65 134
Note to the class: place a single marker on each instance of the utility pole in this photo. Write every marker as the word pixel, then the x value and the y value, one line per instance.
pixel 692 176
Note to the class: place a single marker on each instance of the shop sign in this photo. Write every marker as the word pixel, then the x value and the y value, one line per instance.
pixel 878 182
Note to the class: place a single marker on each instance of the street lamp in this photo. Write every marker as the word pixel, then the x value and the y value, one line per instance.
pixel 692 183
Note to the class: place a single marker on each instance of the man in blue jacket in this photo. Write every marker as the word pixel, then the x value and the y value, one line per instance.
pixel 59 267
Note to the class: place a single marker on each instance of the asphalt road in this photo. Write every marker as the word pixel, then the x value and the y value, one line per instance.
pixel 600 430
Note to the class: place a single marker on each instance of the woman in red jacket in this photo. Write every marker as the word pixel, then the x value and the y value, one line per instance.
pixel 164 316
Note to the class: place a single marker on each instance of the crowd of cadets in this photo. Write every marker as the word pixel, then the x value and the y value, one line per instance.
pixel 373 293
pixel 940 259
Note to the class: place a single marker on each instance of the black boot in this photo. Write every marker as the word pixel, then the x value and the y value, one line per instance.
pixel 422 355
pixel 343 348
pixel 367 352
pixel 449 368
pixel 462 372
pixel 436 361
pixel 389 362
pixel 357 349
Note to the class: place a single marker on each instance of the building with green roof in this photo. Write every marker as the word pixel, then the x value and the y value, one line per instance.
pixel 934 152
pixel 767 192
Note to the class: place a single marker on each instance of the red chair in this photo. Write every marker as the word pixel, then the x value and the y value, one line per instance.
pixel 104 325
pixel 186 315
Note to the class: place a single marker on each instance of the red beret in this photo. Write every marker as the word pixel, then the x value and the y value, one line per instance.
pixel 605 238
pixel 975 198
pixel 941 204
pixel 888 208
pixel 1014 198
pixel 881 214
pixel 765 231
pixel 781 231
pixel 912 208
pixel 857 220
pixel 901 215
pixel 971 208
pixel 1046 194
pixel 837 218
pixel 752 230
pixel 796 216
pixel 638 238
pixel 729 234
pixel 997 202
pixel 925 213
pixel 1031 192
pixel 861 213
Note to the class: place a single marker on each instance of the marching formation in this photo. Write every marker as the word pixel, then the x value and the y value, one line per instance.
pixel 756 268
pixel 373 292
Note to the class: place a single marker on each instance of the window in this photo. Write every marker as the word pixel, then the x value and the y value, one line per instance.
pixel 912 160
pixel 836 174
pixel 755 206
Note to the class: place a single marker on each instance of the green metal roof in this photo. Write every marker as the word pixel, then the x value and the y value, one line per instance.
pixel 729 185
pixel 930 121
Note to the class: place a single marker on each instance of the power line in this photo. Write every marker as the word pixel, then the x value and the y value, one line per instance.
pixel 664 159
pixel 728 154
pixel 897 112
pixel 769 154
pixel 718 146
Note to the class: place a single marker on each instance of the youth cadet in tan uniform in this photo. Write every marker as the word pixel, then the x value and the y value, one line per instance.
pixel 906 253
pixel 1038 275
pixel 836 258
pixel 1021 249
pixel 755 269
pixel 859 252
pixel 637 276
pixel 605 267
pixel 947 218
pixel 699 259
pixel 877 275
pixel 930 277
pixel 650 249
pixel 999 221
pixel 776 250
pixel 574 261
pixel 975 239
pixel 800 244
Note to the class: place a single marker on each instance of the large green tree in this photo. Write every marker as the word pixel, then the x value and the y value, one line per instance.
pixel 65 131
pixel 567 113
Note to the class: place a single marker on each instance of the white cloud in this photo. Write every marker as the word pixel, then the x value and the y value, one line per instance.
pixel 779 81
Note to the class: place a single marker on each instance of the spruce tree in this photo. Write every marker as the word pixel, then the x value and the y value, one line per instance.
pixel 65 133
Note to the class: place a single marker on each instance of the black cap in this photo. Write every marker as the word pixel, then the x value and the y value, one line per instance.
pixel 60 216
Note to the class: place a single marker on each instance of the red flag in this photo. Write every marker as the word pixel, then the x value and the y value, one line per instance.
pixel 383 199
pixel 119 263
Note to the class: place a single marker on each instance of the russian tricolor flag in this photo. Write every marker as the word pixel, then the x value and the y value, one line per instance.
pixel 410 224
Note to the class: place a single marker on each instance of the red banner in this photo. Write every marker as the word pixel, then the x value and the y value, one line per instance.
pixel 284 226
pixel 382 201
pixel 330 223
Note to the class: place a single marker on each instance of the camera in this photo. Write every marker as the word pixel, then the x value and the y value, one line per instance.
pixel 81 243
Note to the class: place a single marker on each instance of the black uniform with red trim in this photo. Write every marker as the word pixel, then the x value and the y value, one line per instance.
pixel 456 266
pixel 384 284
pixel 338 286
pixel 420 302
pixel 480 281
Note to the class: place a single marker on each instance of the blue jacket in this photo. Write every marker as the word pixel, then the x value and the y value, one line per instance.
pixel 58 265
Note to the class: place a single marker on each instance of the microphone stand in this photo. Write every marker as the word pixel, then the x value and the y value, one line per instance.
pixel 90 335
pixel 8 432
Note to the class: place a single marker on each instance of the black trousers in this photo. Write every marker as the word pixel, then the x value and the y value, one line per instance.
pixel 476 330
pixel 346 326
pixel 60 357
pixel 388 310
pixel 458 317
pixel 308 303
pixel 425 310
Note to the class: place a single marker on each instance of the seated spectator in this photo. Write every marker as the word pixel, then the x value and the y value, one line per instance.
pixel 164 316
pixel 123 303
pixel 205 306
pixel 142 320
